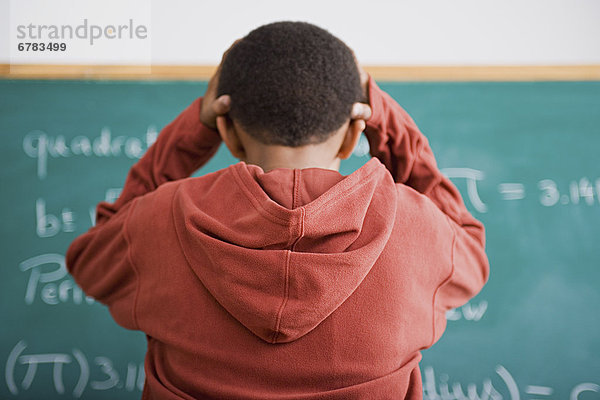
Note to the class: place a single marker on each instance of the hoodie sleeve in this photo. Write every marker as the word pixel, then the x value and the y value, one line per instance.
pixel 396 141
pixel 99 260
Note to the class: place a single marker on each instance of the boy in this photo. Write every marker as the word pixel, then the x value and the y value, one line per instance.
pixel 277 277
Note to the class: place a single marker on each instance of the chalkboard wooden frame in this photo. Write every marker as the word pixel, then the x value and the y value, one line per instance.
pixel 379 72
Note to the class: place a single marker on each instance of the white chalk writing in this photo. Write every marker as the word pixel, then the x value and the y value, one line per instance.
pixel 472 176
pixel 439 388
pixel 468 312
pixel 48 279
pixel 48 225
pixel 41 146
pixel 134 375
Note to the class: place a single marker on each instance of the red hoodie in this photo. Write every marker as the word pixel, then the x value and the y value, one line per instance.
pixel 290 284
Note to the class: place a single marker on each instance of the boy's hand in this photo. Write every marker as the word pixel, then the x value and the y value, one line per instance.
pixel 364 83
pixel 362 110
pixel 213 106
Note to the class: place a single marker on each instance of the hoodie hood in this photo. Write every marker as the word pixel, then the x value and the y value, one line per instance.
pixel 284 249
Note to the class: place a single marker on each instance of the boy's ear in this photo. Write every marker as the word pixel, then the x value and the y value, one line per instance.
pixel 230 137
pixel 353 132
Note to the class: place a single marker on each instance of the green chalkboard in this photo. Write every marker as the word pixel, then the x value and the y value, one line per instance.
pixel 524 155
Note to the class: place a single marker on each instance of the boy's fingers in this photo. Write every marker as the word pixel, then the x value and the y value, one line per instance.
pixel 360 123
pixel 221 105
pixel 360 111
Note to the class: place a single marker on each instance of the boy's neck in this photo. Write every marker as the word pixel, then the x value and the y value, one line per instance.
pixel 270 157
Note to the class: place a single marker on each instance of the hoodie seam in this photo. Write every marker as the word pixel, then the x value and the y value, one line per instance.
pixel 178 233
pixel 286 293
pixel 263 211
pixel 348 191
pixel 444 282
pixel 283 221
pixel 286 290
pixel 297 177
pixel 127 238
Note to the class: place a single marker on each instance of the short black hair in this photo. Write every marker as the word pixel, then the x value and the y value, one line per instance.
pixel 291 83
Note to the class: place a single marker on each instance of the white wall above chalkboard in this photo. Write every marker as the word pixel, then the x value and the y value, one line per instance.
pixel 432 32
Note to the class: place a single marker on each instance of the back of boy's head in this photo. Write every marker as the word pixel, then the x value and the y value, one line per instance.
pixel 291 83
